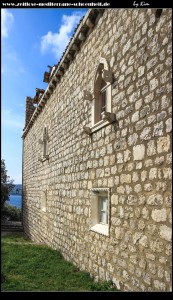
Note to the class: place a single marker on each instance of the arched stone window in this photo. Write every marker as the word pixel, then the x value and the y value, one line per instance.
pixel 44 145
pixel 100 97
pixel 102 93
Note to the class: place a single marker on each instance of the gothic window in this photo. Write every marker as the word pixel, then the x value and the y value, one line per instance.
pixel 101 106
pixel 44 145
pixel 100 97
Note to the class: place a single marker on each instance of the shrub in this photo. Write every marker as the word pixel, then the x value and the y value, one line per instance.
pixel 6 184
pixel 105 286
pixel 11 213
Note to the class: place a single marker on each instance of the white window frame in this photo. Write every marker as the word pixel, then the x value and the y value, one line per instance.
pixel 96 223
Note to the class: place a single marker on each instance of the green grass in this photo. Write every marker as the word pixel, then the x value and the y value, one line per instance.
pixel 29 267
pixel 15 237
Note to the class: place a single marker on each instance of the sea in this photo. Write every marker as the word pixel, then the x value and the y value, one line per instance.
pixel 15 200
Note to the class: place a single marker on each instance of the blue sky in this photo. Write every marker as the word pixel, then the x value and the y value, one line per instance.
pixel 31 39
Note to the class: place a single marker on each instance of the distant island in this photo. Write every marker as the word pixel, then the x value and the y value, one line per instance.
pixel 17 190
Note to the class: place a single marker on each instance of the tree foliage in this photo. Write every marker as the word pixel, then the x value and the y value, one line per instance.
pixel 6 184
pixel 11 213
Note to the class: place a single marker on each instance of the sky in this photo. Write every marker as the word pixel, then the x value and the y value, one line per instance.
pixel 31 39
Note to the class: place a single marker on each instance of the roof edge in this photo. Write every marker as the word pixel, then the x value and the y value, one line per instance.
pixel 83 30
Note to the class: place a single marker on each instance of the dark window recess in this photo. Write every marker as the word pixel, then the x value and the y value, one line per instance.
pixel 158 13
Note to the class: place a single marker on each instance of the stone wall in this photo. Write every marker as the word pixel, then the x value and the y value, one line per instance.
pixel 133 158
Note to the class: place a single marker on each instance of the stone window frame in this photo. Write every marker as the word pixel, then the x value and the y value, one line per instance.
pixel 95 224
pixel 102 72
pixel 44 145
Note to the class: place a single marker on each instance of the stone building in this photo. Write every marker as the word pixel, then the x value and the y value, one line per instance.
pixel 97 150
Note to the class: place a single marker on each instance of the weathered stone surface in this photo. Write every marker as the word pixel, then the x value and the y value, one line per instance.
pixel 138 188
pixel 144 241
pixel 132 139
pixel 152 267
pixel 150 256
pixel 147 278
pixel 141 224
pixel 151 119
pixel 166 232
pixel 163 144
pixel 159 285
pixel 167 173
pixel 159 215
pixel 143 175
pixel 138 152
pixel 145 213
pixel 155 199
pixel 136 237
pixel 151 148
pixel 135 116
pixel 153 173
pixel 169 125
pixel 140 125
pixel 125 178
pixel 158 129
pixel 145 134
pixel 153 84
pixel 131 200
pixel 127 155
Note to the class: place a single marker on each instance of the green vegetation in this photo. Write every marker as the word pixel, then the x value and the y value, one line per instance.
pixel 12 213
pixel 6 184
pixel 15 237
pixel 30 267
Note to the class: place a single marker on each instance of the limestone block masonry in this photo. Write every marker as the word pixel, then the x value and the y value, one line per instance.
pixel 131 158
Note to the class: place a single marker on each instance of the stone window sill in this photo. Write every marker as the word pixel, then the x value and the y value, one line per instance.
pixel 42 159
pixel 99 125
pixel 101 228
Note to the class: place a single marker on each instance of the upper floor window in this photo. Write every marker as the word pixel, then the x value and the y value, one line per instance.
pixel 100 97
pixel 102 94
pixel 44 145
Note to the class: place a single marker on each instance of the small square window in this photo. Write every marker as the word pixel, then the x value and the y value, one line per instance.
pixel 100 210
pixel 43 200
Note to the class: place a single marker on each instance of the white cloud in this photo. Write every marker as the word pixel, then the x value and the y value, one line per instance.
pixel 56 42
pixel 11 120
pixel 6 22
